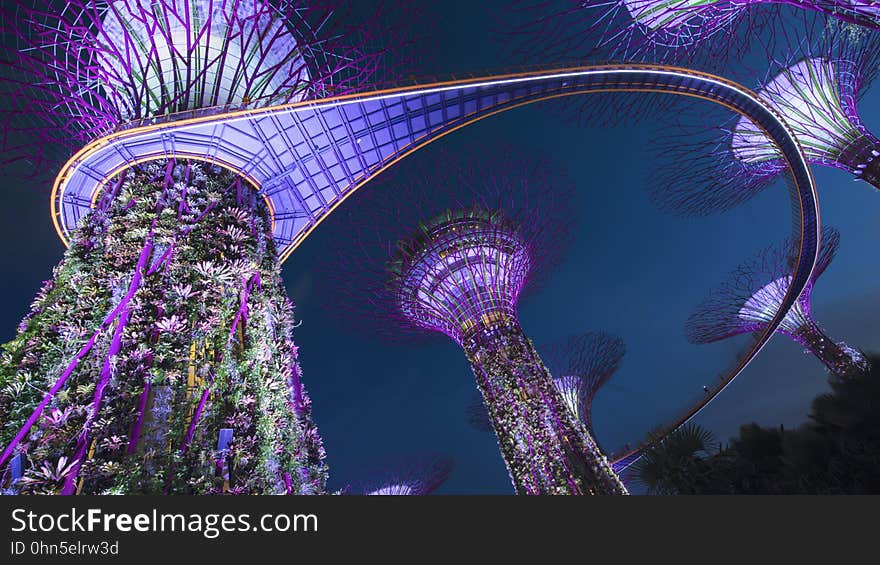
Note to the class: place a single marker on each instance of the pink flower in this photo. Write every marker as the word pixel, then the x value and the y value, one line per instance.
pixel 172 324
pixel 112 443
pixel 57 418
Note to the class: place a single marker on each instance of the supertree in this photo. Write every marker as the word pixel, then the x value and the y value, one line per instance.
pixel 451 252
pixel 753 294
pixel 78 69
pixel 816 87
pixel 665 31
pixel 413 477
pixel 159 358
pixel 582 364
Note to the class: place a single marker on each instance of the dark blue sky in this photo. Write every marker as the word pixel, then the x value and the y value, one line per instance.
pixel 631 270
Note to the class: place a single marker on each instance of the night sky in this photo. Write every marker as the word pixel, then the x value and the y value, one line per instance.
pixel 632 271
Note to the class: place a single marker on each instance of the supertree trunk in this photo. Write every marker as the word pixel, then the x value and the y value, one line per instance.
pixel 159 358
pixel 834 356
pixel 545 449
pixel 861 158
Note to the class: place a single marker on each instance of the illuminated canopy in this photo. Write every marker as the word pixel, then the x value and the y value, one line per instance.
pixel 695 19
pixel 172 55
pixel 681 22
pixel 569 386
pixel 764 303
pixel 341 143
pixel 808 96
pixel 388 490
pixel 462 270
pixel 747 303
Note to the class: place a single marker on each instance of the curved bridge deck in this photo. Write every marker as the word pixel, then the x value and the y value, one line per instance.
pixel 306 158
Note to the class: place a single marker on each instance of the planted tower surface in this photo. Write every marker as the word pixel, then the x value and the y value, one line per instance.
pixel 159 358
pixel 457 263
pixel 580 365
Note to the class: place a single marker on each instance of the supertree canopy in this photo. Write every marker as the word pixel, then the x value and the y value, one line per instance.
pixel 414 477
pixel 581 365
pixel 78 69
pixel 685 22
pixel 816 89
pixel 159 357
pixel 667 31
pixel 752 295
pixel 572 32
pixel 460 271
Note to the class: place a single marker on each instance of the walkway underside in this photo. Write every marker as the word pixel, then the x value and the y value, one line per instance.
pixel 306 158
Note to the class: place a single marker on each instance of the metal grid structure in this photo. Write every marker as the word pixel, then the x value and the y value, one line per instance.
pixel 305 158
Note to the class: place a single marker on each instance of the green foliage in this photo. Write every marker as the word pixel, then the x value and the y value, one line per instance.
pixel 675 465
pixel 836 452
pixel 212 316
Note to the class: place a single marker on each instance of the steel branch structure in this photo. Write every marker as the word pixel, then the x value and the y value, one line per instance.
pixel 665 31
pixel 78 69
pixel 818 96
pixel 581 365
pixel 815 85
pixel 487 228
pixel 748 300
pixel 634 30
pixel 413 477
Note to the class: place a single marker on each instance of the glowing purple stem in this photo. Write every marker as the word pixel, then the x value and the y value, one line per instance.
pixel 243 308
pixel 142 407
pixel 242 312
pixel 162 260
pixel 135 283
pixel 196 417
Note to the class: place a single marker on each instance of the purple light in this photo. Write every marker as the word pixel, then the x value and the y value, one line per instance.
pixel 704 34
pixel 815 99
pixel 467 272
pixel 587 361
pixel 569 387
pixel 185 54
pixel 682 23
pixel 674 23
pixel 814 85
pixel 181 242
pixel 86 69
pixel 487 228
pixel 753 295
pixel 393 489
pixel 412 476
